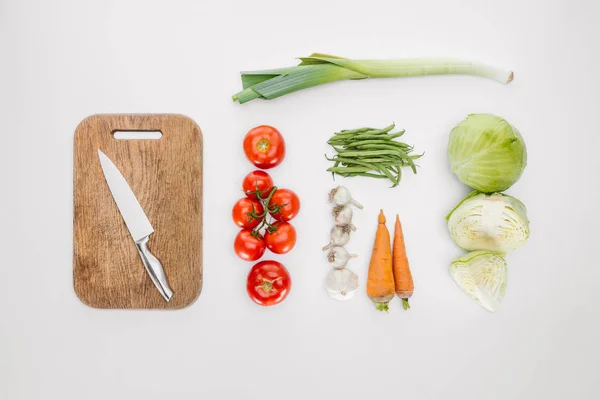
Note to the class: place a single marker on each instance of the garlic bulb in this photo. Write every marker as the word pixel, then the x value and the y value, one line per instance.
pixel 340 235
pixel 338 257
pixel 341 284
pixel 341 196
pixel 343 216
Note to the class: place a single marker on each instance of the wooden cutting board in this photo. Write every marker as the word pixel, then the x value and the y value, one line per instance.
pixel 166 177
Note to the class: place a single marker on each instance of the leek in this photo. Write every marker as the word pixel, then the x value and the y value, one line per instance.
pixel 319 69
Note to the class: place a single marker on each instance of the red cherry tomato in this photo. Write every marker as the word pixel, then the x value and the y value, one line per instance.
pixel 248 246
pixel 257 181
pixel 264 147
pixel 288 202
pixel 268 283
pixel 243 210
pixel 282 239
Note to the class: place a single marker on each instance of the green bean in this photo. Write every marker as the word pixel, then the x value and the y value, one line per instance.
pixel 394 171
pixel 360 130
pixel 335 165
pixel 372 175
pixel 378 147
pixel 375 160
pixel 347 140
pixel 389 175
pixel 340 138
pixel 352 153
pixel 376 137
pixel 412 165
pixel 376 141
pixel 349 131
pixel 372 134
pixel 369 174
pixel 379 131
pixel 349 169
pixel 399 175
pixel 347 161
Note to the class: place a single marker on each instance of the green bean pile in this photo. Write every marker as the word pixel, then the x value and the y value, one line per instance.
pixel 371 152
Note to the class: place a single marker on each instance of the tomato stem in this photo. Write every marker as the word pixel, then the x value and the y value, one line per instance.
pixel 263 145
pixel 267 285
pixel 265 214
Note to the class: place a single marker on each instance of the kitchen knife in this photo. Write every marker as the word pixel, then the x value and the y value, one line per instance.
pixel 137 222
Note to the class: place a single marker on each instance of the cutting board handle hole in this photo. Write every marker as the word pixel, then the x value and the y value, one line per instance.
pixel 137 135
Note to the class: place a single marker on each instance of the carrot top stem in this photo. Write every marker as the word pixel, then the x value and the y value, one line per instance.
pixel 405 304
pixel 383 306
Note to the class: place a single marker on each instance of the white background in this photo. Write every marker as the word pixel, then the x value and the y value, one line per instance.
pixel 61 61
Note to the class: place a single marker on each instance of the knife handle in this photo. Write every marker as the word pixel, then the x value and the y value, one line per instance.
pixel 154 268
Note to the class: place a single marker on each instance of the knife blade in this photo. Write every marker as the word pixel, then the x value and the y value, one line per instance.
pixel 136 221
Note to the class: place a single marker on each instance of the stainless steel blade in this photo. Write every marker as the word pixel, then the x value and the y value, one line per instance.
pixel 138 224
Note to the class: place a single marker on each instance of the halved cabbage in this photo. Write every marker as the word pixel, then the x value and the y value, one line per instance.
pixel 493 222
pixel 482 275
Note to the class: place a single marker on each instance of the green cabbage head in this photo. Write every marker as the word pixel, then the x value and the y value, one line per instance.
pixel 487 153
pixel 482 275
pixel 494 222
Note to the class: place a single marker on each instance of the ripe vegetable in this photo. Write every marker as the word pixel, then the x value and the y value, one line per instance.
pixel 380 282
pixel 487 153
pixel 318 69
pixel 402 276
pixel 338 257
pixel 284 205
pixel 247 213
pixel 280 238
pixel 264 147
pixel 341 284
pixel 257 184
pixel 253 213
pixel 249 245
pixel 496 222
pixel 268 283
pixel 482 275
pixel 341 196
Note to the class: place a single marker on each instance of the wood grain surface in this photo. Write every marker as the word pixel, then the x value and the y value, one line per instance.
pixel 166 177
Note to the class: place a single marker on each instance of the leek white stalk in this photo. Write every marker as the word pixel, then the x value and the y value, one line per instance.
pixel 318 69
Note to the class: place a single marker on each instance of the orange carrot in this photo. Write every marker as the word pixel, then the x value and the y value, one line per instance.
pixel 380 283
pixel 402 276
